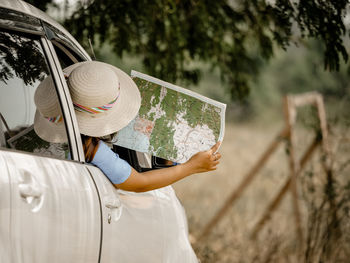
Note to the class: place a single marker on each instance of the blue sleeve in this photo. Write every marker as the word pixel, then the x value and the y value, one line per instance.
pixel 115 168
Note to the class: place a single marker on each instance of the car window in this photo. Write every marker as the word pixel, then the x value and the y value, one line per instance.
pixel 23 67
pixel 65 56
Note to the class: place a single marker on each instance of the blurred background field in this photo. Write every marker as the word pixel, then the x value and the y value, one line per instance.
pixel 250 128
pixel 203 195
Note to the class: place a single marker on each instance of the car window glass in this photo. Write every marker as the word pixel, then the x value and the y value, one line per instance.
pixel 23 67
pixel 65 56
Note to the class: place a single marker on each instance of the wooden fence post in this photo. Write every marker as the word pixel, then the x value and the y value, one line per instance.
pixel 291 103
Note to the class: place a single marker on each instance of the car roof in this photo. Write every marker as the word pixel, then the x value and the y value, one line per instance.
pixel 23 7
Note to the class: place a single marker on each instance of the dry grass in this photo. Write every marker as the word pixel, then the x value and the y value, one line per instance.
pixel 202 195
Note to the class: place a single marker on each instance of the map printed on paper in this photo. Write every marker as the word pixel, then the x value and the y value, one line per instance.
pixel 173 123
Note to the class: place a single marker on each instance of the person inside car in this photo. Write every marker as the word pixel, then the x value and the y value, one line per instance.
pixel 105 100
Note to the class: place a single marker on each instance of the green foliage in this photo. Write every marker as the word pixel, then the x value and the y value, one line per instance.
pixel 233 37
pixel 324 19
pixel 147 99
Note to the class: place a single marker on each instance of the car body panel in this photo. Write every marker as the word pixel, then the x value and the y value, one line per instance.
pixel 142 227
pixel 55 211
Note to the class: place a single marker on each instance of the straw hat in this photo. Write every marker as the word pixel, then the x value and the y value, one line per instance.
pixel 48 120
pixel 105 99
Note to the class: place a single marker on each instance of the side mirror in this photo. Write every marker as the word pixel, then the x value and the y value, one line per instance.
pixel 139 165
pixel 158 162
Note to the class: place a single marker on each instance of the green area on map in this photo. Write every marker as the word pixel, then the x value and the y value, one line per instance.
pixel 169 110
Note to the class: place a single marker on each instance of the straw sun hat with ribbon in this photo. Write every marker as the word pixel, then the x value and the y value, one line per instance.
pixel 105 100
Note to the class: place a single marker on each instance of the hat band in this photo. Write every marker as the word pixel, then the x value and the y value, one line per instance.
pixel 56 119
pixel 95 110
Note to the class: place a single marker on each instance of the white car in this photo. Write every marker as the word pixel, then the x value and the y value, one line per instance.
pixel 54 207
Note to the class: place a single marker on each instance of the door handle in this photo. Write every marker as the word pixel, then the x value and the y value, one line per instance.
pixel 28 190
pixel 112 203
pixel 115 206
pixel 31 191
pixel 28 185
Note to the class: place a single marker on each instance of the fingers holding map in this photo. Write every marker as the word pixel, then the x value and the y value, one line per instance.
pixel 215 147
pixel 173 123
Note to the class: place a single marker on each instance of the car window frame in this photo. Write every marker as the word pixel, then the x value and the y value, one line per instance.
pixel 73 134
pixel 2 136
pixel 55 35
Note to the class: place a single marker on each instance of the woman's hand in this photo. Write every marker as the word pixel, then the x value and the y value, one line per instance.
pixel 205 161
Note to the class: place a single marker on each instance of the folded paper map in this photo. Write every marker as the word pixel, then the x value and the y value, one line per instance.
pixel 173 123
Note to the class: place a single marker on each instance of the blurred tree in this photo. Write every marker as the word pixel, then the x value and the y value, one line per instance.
pixel 231 35
pixel 296 71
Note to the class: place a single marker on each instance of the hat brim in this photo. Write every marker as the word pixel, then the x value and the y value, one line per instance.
pixel 116 118
pixel 49 131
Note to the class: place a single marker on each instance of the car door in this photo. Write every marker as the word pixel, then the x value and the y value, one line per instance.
pixel 50 210
pixel 131 224
pixel 142 227
pixel 54 210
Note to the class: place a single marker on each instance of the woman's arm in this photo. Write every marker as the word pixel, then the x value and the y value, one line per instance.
pixel 198 163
